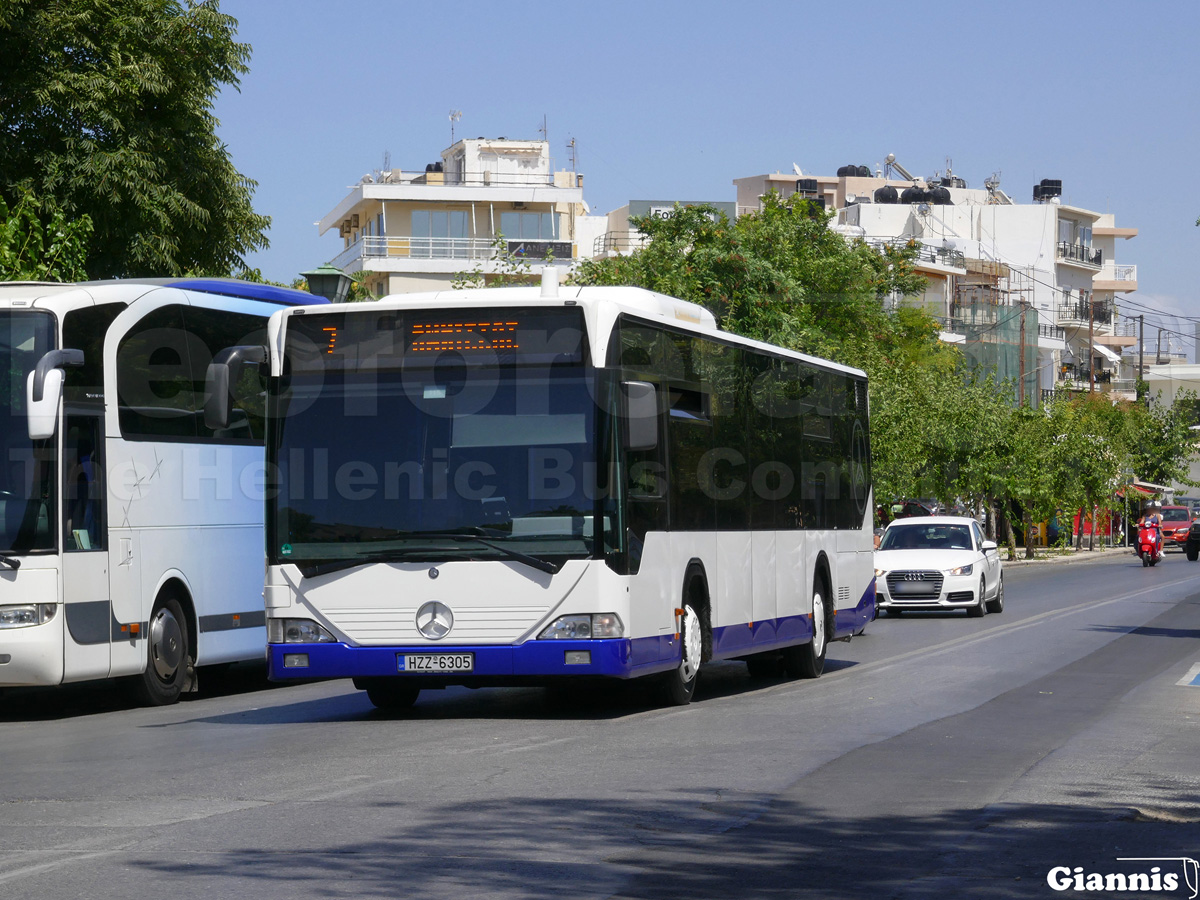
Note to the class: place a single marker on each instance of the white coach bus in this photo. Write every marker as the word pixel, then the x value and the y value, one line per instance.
pixel 526 486
pixel 126 545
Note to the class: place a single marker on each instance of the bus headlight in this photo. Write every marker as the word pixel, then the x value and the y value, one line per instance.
pixel 583 627
pixel 25 614
pixel 297 631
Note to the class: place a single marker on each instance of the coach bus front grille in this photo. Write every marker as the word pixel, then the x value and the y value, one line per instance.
pixel 914 585
pixel 485 625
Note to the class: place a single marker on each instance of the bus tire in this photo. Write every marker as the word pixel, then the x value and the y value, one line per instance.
pixel 808 660
pixel 390 694
pixel 678 685
pixel 168 655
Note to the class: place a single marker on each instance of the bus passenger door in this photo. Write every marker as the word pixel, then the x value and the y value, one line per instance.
pixel 85 549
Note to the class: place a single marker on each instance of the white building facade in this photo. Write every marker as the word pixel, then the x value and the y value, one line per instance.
pixel 418 230
pixel 1044 269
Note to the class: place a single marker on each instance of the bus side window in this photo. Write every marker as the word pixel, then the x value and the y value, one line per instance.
pixel 83 491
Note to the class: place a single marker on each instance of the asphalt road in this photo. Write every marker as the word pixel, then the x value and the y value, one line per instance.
pixel 937 756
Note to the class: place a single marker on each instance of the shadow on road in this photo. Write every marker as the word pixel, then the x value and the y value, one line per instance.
pixel 695 845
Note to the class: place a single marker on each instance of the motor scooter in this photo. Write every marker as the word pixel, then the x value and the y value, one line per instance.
pixel 1149 544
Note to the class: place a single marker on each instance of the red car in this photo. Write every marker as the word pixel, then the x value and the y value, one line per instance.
pixel 1177 521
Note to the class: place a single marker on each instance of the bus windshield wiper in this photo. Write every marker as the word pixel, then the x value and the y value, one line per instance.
pixel 10 562
pixel 400 553
pixel 477 536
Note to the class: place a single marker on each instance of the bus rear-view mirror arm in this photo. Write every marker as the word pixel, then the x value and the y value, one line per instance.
pixel 43 390
pixel 641 415
pixel 222 375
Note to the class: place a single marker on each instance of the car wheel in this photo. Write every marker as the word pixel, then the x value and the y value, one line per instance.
pixel 1193 553
pixel 979 609
pixel 996 604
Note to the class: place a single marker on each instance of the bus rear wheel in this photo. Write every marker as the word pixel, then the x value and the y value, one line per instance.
pixel 678 685
pixel 808 660
pixel 169 656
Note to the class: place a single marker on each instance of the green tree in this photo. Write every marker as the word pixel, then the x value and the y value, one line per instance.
pixel 106 107
pixel 39 243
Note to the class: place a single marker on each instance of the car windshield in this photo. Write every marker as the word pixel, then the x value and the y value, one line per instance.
pixel 926 537
pixel 1175 515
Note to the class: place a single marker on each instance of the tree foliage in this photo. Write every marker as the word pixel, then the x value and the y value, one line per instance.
pixel 39 243
pixel 106 109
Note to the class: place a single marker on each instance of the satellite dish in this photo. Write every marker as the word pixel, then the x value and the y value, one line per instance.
pixel 851 198
pixel 796 168
pixel 923 209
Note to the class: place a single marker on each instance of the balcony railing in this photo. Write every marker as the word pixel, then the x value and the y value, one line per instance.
pixel 925 252
pixel 1089 256
pixel 1100 313
pixel 510 179
pixel 1052 331
pixel 619 242
pixel 466 249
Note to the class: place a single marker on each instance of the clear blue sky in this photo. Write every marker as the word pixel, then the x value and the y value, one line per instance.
pixel 670 99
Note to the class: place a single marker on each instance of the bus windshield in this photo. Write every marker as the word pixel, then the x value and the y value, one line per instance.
pixel 410 465
pixel 26 467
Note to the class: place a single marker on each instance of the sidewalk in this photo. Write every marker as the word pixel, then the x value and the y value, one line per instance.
pixel 1057 556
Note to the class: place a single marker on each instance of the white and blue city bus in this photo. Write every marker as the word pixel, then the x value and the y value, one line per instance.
pixel 524 486
pixel 127 547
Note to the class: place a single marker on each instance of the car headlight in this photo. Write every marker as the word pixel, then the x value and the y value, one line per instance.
pixel 23 615
pixel 963 570
pixel 297 631
pixel 879 573
pixel 583 627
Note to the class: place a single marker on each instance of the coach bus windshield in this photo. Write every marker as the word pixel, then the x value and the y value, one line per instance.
pixel 422 440
pixel 26 466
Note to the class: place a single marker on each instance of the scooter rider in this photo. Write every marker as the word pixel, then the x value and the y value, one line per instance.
pixel 1152 518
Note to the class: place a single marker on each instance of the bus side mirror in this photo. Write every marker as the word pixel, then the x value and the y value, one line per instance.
pixel 641 415
pixel 223 373
pixel 44 390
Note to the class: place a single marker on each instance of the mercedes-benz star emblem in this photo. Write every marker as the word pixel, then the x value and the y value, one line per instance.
pixel 434 620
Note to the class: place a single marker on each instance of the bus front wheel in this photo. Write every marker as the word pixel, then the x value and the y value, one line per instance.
pixel 389 694
pixel 169 656
pixel 679 684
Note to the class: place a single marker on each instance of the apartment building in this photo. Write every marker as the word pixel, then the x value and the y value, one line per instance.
pixel 620 236
pixel 418 230
pixel 1032 287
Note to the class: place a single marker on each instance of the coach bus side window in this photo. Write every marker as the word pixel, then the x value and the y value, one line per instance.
pixel 211 331
pixel 85 329
pixel 154 383
pixel 83 490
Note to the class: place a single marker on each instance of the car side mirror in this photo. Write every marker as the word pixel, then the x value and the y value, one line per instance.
pixel 44 390
pixel 223 373
pixel 641 415
pixel 988 545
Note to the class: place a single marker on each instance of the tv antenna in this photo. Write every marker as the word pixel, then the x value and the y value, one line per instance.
pixel 544 131
pixel 455 115
pixel 574 155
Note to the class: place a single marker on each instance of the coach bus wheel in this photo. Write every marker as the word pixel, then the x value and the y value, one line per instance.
pixel 679 684
pixel 808 660
pixel 390 694
pixel 169 658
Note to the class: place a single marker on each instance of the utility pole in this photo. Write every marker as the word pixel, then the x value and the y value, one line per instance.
pixel 1091 350
pixel 1141 356
pixel 1021 349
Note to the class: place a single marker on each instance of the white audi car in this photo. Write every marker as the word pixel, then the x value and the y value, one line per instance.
pixel 938 562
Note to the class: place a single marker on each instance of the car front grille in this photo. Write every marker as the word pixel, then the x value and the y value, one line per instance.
pixel 914 585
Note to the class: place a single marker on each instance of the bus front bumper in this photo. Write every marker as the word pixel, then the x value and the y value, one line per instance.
pixel 516 663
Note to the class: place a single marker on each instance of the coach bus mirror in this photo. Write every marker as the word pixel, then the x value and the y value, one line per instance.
pixel 641 415
pixel 223 373
pixel 44 389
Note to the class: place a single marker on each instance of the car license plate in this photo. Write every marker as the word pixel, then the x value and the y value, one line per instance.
pixel 435 663
pixel 911 587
